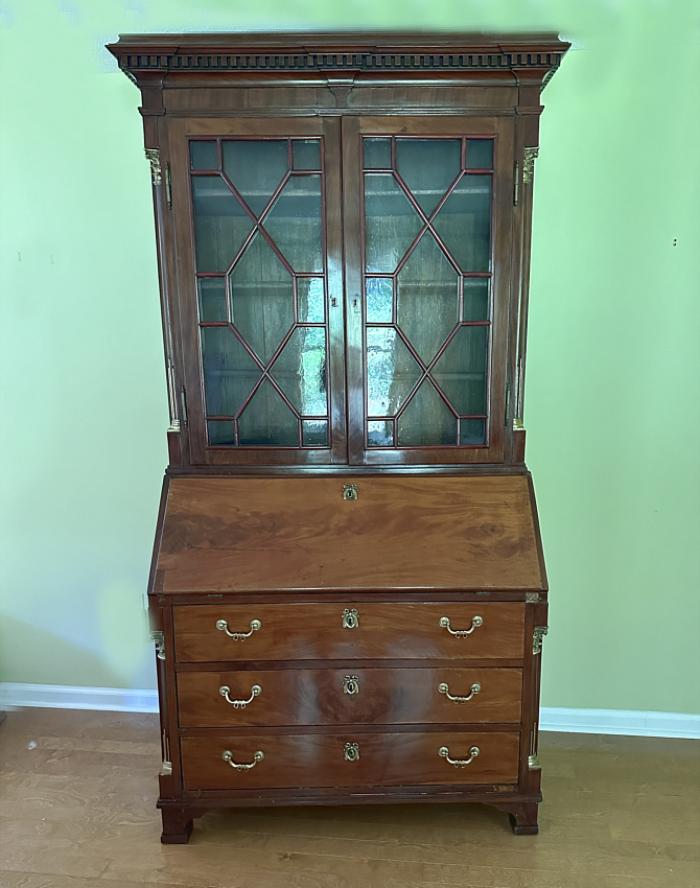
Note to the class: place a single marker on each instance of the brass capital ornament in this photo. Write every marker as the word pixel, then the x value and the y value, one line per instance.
pixel 153 157
pixel 529 155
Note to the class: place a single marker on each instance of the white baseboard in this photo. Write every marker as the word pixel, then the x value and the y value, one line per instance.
pixel 16 695
pixel 576 721
pixel 630 722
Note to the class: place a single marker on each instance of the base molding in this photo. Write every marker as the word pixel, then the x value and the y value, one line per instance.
pixel 634 723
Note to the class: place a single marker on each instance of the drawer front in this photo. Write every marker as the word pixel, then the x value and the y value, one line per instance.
pixel 450 630
pixel 287 761
pixel 353 695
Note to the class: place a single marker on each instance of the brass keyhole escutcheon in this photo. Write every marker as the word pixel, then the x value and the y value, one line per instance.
pixel 350 492
pixel 351 685
pixel 351 618
pixel 351 752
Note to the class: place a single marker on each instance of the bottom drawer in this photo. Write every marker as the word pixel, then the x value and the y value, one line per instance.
pixel 286 761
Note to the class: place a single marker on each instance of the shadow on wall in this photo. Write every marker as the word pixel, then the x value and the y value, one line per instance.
pixel 28 649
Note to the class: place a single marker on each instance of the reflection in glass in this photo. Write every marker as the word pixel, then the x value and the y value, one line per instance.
pixel 464 223
pixel 426 420
pixel 380 433
pixel 306 154
pixel 203 155
pixel 294 222
pixel 267 421
pixel 391 371
pixel 476 299
pixel 379 300
pixel 220 223
pixel 262 299
pixel 256 167
pixel 472 431
pixel 300 371
pixel 311 300
pixel 314 432
pixel 377 154
pixel 391 223
pixel 220 432
pixel 212 299
pixel 229 371
pixel 428 298
pixel 461 370
pixel 428 167
pixel 480 154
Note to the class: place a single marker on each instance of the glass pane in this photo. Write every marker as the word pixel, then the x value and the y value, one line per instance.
pixel 267 421
pixel 314 433
pixel 379 300
pixel 229 371
pixel 391 371
pixel 306 154
pixel 203 156
pixel 256 167
pixel 428 298
pixel 461 370
pixel 294 223
pixel 391 223
pixel 428 167
pixel 380 433
pixel 464 223
pixel 377 154
pixel 220 432
pixel 480 154
pixel 212 299
pixel 426 420
pixel 472 431
pixel 220 223
pixel 262 300
pixel 300 371
pixel 311 300
pixel 476 299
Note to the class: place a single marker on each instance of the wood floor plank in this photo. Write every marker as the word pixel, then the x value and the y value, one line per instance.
pixel 77 810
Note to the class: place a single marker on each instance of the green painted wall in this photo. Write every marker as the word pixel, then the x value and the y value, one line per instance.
pixel 613 391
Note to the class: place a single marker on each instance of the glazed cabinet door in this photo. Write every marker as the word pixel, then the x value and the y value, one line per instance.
pixel 427 212
pixel 256 209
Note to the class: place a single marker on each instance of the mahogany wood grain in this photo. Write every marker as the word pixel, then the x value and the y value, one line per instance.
pixel 315 631
pixel 403 532
pixel 309 760
pixel 319 697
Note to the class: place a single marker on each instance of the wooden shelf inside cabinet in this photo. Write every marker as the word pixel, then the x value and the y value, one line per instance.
pixel 348 535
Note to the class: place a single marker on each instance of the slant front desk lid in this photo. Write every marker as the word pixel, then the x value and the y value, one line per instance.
pixel 361 533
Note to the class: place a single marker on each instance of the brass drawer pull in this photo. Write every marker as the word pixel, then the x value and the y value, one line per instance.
pixel 444 752
pixel 238 636
pixel 475 689
pixel 351 618
pixel 351 752
pixel 461 633
pixel 227 756
pixel 225 690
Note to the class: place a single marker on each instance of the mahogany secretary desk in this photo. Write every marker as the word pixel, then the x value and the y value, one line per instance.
pixel 347 592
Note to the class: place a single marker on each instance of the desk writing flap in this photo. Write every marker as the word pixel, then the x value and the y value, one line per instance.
pixel 432 532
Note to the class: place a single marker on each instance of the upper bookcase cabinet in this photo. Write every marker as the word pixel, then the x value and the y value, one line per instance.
pixel 343 235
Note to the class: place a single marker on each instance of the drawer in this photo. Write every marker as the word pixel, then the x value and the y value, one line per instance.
pixel 287 761
pixel 450 630
pixel 352 695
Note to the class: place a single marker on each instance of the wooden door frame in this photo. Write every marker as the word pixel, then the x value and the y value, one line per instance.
pixel 502 130
pixel 179 130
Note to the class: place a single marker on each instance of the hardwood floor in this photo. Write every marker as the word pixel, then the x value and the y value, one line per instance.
pixel 77 794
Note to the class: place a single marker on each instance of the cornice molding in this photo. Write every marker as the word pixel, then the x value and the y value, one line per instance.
pixel 405 54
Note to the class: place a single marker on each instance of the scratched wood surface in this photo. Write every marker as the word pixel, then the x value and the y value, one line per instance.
pixel 77 794
pixel 421 532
